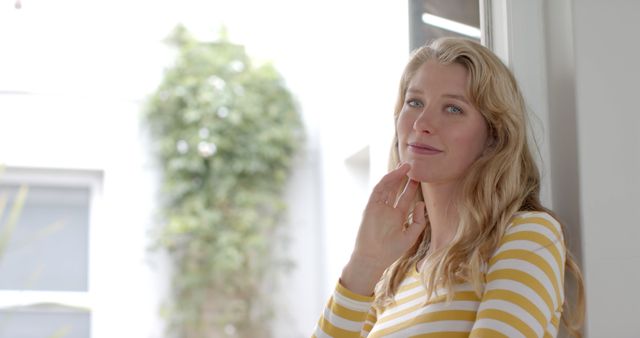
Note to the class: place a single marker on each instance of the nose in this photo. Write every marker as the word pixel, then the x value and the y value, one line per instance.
pixel 425 122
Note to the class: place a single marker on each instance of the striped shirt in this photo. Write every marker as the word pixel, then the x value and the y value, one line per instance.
pixel 522 297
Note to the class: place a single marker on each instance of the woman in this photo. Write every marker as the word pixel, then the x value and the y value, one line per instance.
pixel 454 241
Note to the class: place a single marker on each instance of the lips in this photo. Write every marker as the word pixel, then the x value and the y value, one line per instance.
pixel 421 148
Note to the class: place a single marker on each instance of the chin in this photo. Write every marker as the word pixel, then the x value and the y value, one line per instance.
pixel 420 178
pixel 418 175
pixel 424 172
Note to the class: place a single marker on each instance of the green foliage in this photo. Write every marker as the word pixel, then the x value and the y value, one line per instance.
pixel 225 133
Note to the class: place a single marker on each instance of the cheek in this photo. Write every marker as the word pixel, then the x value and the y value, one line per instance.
pixel 472 143
pixel 402 131
pixel 404 125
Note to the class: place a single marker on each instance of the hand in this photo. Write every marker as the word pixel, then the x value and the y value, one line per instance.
pixel 384 235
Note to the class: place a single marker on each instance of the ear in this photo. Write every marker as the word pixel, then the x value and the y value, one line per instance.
pixel 492 137
pixel 491 142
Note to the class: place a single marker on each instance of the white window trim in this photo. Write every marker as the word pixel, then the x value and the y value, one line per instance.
pixel 10 299
pixel 515 32
pixel 74 178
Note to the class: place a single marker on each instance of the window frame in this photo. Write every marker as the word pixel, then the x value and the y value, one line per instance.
pixel 60 178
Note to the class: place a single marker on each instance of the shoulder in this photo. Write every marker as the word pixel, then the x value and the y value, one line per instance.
pixel 534 224
pixel 525 276
pixel 535 237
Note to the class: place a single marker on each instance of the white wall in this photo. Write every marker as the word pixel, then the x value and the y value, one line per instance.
pixel 586 56
pixel 562 118
pixel 593 125
pixel 73 85
pixel 45 131
pixel 80 81
pixel 562 127
pixel 606 35
pixel 343 61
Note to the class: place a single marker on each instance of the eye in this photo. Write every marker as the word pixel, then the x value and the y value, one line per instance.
pixel 414 103
pixel 453 109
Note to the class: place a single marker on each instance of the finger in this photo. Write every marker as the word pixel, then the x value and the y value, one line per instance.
pixel 419 220
pixel 395 176
pixel 407 195
pixel 387 189
pixel 403 168
pixel 392 183
pixel 379 195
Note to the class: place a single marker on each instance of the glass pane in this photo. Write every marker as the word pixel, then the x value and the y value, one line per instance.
pixel 47 249
pixel 432 19
pixel 45 322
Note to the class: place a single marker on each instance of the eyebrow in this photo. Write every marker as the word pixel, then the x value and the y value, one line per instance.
pixel 451 96
pixel 457 97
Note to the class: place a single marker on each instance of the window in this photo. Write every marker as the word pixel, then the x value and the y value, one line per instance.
pixel 431 19
pixel 45 252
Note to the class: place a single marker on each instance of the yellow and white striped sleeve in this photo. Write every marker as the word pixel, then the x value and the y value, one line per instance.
pixel 524 293
pixel 347 315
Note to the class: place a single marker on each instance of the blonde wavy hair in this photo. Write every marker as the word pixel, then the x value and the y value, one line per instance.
pixel 501 182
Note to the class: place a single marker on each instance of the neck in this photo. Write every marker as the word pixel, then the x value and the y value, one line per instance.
pixel 440 199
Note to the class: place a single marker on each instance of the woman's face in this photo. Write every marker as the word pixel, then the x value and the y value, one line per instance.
pixel 439 131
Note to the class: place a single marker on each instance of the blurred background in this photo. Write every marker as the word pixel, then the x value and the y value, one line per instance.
pixel 94 234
